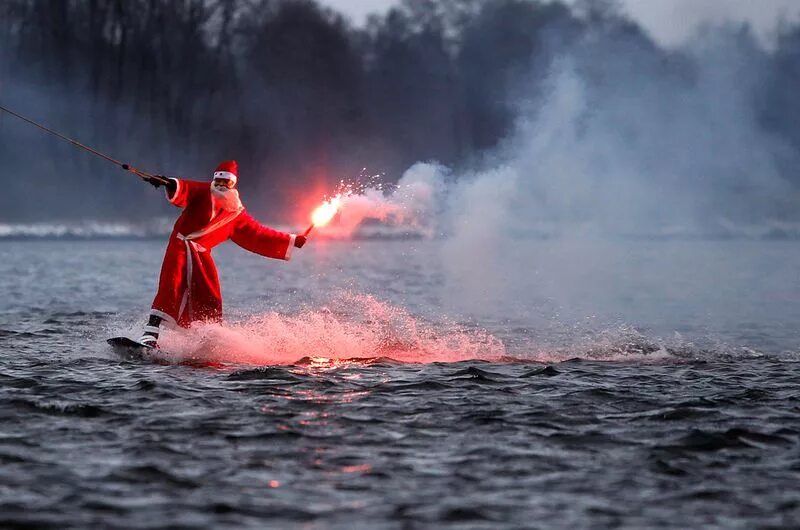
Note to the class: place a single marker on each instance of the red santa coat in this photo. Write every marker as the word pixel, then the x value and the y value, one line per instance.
pixel 188 289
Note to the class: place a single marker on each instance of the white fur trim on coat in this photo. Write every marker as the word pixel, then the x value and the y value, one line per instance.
pixel 288 255
pixel 165 317
pixel 177 190
pixel 227 175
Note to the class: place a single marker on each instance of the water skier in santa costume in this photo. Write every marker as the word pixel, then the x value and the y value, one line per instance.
pixel 188 288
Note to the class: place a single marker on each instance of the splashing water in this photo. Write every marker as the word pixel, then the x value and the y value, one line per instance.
pixel 358 328
pixel 353 327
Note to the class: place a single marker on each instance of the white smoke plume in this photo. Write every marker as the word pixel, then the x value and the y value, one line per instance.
pixel 409 208
pixel 618 147
pixel 639 153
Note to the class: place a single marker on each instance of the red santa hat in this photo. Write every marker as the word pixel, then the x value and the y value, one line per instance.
pixel 227 170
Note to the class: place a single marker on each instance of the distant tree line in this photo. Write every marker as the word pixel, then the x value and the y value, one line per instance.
pixel 295 92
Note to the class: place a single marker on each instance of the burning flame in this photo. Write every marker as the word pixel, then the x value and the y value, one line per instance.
pixel 323 214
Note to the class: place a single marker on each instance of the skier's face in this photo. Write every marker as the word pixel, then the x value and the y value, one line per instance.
pixel 223 183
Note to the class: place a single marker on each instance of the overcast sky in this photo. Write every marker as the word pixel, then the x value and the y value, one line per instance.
pixel 669 21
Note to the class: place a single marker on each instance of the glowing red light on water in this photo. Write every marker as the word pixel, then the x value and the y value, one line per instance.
pixel 360 468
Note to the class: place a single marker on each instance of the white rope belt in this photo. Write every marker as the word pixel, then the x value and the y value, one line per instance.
pixel 186 300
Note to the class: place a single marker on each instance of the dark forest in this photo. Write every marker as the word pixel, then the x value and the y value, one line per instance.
pixel 302 98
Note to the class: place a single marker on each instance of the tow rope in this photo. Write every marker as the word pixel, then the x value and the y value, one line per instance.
pixel 126 167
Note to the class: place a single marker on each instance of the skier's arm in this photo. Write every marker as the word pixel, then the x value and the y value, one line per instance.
pixel 179 192
pixel 255 237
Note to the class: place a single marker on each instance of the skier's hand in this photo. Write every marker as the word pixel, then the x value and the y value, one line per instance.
pixel 299 241
pixel 156 181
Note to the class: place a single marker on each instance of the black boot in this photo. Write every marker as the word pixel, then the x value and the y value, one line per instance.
pixel 151 330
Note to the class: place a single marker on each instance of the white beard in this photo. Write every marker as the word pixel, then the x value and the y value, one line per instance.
pixel 226 199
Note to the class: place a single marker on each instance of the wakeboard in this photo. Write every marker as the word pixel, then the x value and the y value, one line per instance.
pixel 130 350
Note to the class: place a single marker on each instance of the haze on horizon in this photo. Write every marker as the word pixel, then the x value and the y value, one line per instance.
pixel 671 22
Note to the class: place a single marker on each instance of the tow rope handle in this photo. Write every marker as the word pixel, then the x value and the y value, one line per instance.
pixel 143 174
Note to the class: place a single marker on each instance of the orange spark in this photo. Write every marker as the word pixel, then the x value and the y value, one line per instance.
pixel 325 211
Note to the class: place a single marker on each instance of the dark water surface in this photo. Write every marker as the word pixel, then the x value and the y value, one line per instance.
pixel 679 407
